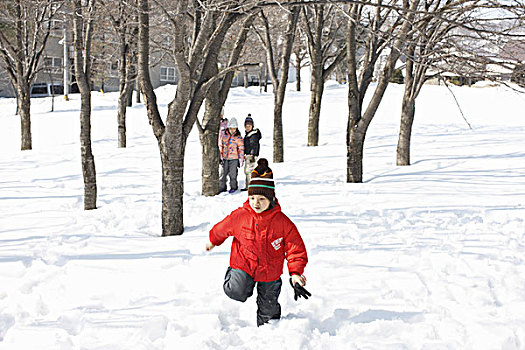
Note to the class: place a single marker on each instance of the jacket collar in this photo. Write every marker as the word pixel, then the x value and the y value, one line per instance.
pixel 230 135
pixel 254 131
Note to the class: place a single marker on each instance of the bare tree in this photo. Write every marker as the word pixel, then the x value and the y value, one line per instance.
pixel 373 30
pixel 459 37
pixel 300 61
pixel 253 52
pixel 25 26
pixel 279 82
pixel 422 52
pixel 209 127
pixel 123 15
pixel 322 29
pixel 83 12
pixel 196 61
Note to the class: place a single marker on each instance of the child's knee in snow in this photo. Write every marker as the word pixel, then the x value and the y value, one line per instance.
pixel 235 294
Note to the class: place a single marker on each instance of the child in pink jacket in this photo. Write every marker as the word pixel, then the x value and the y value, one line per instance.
pixel 232 155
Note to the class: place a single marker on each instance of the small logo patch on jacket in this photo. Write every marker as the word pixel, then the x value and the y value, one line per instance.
pixel 277 243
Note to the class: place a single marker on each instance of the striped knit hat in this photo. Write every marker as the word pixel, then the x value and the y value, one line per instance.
pixel 262 180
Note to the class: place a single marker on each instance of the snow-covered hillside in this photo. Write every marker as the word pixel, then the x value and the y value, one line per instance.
pixel 430 256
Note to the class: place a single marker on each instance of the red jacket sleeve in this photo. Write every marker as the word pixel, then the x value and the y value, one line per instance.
pixel 221 231
pixel 295 251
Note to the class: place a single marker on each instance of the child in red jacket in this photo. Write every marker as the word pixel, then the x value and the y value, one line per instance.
pixel 263 237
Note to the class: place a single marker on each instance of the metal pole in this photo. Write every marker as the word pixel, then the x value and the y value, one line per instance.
pixel 66 65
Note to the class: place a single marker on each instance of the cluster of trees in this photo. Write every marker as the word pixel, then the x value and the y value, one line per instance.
pixel 212 40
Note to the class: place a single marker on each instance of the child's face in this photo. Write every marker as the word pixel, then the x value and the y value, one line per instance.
pixel 232 130
pixel 248 127
pixel 259 203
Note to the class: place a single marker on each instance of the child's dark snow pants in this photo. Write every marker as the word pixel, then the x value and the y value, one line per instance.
pixel 229 169
pixel 238 285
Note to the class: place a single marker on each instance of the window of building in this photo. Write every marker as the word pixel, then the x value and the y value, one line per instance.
pixel 53 62
pixel 39 89
pixel 46 89
pixel 56 89
pixel 167 73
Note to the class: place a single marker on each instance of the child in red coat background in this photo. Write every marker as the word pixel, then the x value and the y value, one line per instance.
pixel 263 237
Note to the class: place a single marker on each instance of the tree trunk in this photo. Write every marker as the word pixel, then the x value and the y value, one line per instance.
pixel 129 92
pixel 408 108
pixel 24 108
pixel 278 144
pixel 137 90
pixel 123 94
pixel 358 124
pixel 170 138
pixel 315 105
pixel 407 119
pixel 82 77
pixel 354 145
pixel 297 72
pixel 210 146
pixel 121 117
pixel 260 79
pixel 210 135
pixel 278 140
pixel 339 75
pixel 265 81
pixel 17 112
pixel 355 139
pixel 265 78
pixel 172 157
pixel 245 77
pixel 172 147
pixel 315 24
pixel 88 160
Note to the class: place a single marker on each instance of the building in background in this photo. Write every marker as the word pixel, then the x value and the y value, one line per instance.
pixel 56 60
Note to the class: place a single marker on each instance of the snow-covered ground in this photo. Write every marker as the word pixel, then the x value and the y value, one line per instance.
pixel 430 256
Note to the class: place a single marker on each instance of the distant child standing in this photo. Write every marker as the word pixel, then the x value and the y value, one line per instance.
pixel 232 155
pixel 251 148
pixel 223 125
pixel 263 237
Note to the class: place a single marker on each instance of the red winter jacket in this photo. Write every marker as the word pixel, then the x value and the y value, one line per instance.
pixel 261 242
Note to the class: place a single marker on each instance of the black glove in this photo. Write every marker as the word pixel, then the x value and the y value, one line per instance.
pixel 221 161
pixel 299 291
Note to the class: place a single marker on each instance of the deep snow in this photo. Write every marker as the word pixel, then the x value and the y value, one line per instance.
pixel 429 256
